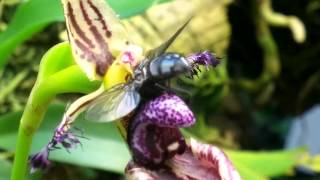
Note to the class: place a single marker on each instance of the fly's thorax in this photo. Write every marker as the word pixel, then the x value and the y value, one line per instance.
pixel 167 66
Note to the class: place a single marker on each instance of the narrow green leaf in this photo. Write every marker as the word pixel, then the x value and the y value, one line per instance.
pixel 33 15
pixel 128 8
pixel 247 173
pixel 268 164
pixel 5 169
pixel 104 148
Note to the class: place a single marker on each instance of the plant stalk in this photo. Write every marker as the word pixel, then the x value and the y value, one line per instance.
pixel 31 118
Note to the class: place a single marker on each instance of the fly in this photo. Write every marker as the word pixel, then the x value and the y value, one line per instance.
pixel 122 99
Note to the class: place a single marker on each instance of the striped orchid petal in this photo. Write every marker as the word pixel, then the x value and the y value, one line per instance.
pixel 97 36
pixel 198 162
pixel 204 161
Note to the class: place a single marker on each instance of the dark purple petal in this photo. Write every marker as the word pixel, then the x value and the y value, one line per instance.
pixel 135 172
pixel 151 145
pixel 39 160
pixel 167 110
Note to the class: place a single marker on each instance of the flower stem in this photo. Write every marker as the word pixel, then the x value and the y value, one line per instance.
pixel 30 121
pixel 58 74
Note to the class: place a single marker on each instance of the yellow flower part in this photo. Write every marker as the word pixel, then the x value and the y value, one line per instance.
pixel 117 73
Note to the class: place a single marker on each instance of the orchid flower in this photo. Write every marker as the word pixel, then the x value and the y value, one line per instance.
pixel 160 151
pixel 102 49
pixel 199 161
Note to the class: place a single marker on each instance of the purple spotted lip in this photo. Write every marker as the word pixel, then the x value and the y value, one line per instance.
pixel 154 134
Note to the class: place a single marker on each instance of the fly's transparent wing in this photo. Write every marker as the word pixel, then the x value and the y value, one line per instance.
pixel 113 104
pixel 151 54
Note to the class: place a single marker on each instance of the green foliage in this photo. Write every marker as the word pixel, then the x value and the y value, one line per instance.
pixel 260 165
pixel 33 15
pixel 103 148
pixel 5 169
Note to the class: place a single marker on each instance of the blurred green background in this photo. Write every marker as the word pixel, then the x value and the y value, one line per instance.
pixel 269 75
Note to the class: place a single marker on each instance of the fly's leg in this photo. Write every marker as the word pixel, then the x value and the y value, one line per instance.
pixel 176 90
pixel 62 134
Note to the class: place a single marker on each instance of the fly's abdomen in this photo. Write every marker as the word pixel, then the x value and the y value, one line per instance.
pixel 168 65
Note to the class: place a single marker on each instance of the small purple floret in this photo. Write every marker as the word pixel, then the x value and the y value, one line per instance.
pixel 40 160
pixel 205 58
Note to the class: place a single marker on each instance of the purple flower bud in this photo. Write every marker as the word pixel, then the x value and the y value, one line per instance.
pixel 40 160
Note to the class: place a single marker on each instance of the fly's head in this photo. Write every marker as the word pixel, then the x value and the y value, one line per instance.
pixel 140 75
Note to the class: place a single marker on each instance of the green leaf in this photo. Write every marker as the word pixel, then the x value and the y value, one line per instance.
pixel 247 173
pixel 33 15
pixel 104 148
pixel 128 8
pixel 264 164
pixel 5 169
